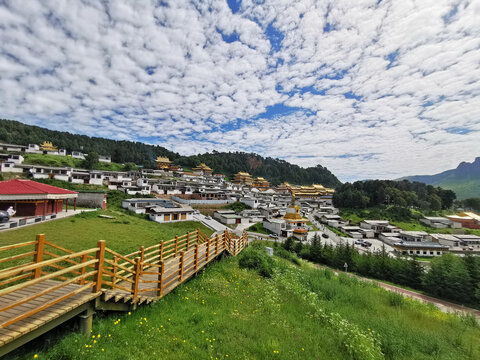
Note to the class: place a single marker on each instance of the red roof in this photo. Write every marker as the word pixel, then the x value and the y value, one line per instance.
pixel 19 186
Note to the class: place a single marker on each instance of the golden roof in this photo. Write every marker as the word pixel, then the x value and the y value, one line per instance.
pixel 241 173
pixel 47 145
pixel 202 166
pixel 163 159
pixel 260 179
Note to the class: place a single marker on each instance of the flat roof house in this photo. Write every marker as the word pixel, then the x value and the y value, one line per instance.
pixel 424 248
pixel 170 214
pixel 30 198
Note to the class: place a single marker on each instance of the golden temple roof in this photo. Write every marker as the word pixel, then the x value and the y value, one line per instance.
pixel 202 166
pixel 163 159
pixel 48 146
pixel 241 173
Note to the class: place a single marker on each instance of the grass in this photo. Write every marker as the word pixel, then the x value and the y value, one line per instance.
pixel 258 227
pixel 61 161
pixel 300 313
pixel 336 231
pixel 125 234
pixel 314 228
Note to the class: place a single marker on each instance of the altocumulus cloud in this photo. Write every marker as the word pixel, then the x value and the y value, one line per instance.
pixel 368 88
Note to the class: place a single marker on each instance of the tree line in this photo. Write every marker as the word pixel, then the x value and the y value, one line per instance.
pixel 372 193
pixel 228 163
pixel 449 277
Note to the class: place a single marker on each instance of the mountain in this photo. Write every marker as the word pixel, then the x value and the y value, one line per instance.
pixel 274 170
pixel 464 180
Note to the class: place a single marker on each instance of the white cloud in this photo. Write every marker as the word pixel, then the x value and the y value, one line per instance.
pixel 129 70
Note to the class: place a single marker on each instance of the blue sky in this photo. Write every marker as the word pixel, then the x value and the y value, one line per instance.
pixel 369 89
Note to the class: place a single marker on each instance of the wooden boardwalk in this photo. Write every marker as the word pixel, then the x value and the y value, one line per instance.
pixel 59 284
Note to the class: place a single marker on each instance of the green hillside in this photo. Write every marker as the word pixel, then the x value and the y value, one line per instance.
pixel 463 180
pixel 299 313
pixel 274 170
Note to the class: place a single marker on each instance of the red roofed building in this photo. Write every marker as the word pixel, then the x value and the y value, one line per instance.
pixel 30 198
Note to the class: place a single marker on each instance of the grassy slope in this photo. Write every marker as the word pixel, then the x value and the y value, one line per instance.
pixel 463 188
pixel 307 313
pixel 57 160
pixel 258 227
pixel 124 234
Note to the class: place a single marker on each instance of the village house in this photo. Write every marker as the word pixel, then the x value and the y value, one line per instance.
pixel 12 147
pixel 378 226
pixel 414 236
pixel 30 198
pixel 276 226
pixel 439 222
pixel 138 206
pixel 105 158
pixel 78 155
pixel 466 219
pixel 446 239
pixel 228 217
pixel 425 249
pixel 170 214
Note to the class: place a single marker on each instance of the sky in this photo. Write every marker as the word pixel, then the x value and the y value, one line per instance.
pixel 369 89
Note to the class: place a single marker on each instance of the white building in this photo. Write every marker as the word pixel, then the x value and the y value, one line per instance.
pixel 78 155
pixel 169 214
pixel 439 222
pixel 276 226
pixel 105 158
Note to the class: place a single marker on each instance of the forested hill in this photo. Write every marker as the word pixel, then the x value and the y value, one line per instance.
pixel 274 170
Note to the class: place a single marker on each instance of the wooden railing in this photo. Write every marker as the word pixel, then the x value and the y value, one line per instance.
pixel 152 271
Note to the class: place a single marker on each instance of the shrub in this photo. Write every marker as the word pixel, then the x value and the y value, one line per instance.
pixel 281 252
pixel 257 260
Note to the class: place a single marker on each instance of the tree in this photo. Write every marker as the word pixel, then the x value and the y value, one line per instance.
pixel 91 160
pixel 449 278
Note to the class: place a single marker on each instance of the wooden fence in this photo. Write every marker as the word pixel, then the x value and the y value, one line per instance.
pixel 37 276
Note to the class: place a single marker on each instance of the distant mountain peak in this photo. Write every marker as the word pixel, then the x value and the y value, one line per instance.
pixel 464 179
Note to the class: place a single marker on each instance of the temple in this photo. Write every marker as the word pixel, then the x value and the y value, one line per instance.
pixel 314 191
pixel 48 146
pixel 163 163
pixel 243 178
pixel 202 169
pixel 261 183
pixel 294 221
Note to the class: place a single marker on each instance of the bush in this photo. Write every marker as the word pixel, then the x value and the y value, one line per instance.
pixel 281 252
pixel 257 260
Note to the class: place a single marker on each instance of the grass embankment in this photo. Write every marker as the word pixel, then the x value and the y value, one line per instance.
pixel 299 313
pixel 126 233
pixel 314 228
pixel 258 228
pixel 61 161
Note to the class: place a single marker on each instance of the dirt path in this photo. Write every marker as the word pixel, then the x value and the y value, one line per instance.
pixel 443 305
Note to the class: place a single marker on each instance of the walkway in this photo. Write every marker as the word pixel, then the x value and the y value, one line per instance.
pixel 43 285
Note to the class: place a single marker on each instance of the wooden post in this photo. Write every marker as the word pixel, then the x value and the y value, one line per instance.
pixel 38 256
pixel 161 251
pixel 100 256
pixel 142 255
pixel 114 271
pixel 188 240
pixel 198 236
pixel 196 257
pixel 138 270
pixel 75 204
pixel 176 245
pixel 216 245
pixel 182 255
pixel 84 269
pixel 161 271
pixel 207 250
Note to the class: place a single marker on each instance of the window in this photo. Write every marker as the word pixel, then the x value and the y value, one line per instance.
pixel 418 252
pixel 431 252
pixel 424 253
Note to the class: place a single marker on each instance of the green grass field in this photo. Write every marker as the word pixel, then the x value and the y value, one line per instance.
pixel 300 313
pixel 258 227
pixel 126 233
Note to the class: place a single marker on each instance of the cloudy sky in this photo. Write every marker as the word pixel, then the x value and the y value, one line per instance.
pixel 370 89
